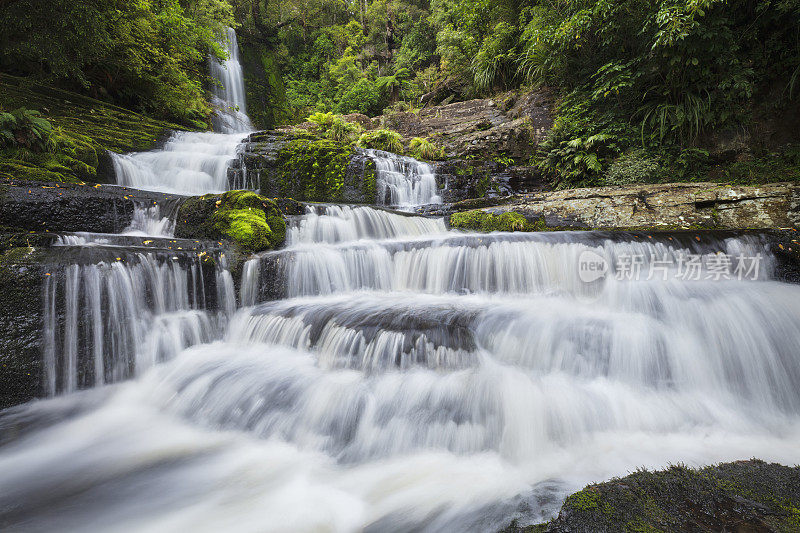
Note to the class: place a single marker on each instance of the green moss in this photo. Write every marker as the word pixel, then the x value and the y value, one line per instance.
pixel 311 170
pixel 478 220
pixel 369 185
pixel 83 129
pixel 586 500
pixel 253 223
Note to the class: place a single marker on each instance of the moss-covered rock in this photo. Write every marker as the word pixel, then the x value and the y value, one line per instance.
pixel 266 93
pixel 477 220
pixel 313 169
pixel 252 222
pixel 740 496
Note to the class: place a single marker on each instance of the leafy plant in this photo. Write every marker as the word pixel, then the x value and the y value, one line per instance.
pixel 343 131
pixel 632 167
pixel 577 162
pixel 24 128
pixel 386 140
pixel 423 148
pixel 391 84
pixel 323 121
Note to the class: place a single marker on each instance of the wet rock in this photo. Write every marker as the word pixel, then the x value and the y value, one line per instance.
pixel 745 496
pixel 43 206
pixel 21 322
pixel 665 206
pixel 283 164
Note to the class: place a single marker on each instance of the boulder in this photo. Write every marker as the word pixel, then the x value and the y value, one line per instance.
pixel 252 222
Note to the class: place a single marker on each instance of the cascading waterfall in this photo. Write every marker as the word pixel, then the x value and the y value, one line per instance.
pixel 334 224
pixel 192 162
pixel 229 93
pixel 414 379
pixel 111 320
pixel 403 181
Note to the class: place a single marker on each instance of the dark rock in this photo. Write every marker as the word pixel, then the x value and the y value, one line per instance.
pixel 744 496
pixel 21 322
pixel 43 206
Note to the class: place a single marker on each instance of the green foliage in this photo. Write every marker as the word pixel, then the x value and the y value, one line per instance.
pixel 322 120
pixel 343 131
pixel 363 97
pixel 576 162
pixel 386 140
pixel 495 64
pixel 423 148
pixel 145 55
pixel 335 127
pixel 632 167
pixel 24 128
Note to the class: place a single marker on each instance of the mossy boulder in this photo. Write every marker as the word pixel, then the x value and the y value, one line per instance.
pixel 478 220
pixel 312 169
pixel 740 496
pixel 250 221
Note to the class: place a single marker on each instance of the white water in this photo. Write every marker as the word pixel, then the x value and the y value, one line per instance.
pixel 403 181
pixel 197 163
pixel 229 91
pixel 419 381
pixel 123 316
pixel 335 224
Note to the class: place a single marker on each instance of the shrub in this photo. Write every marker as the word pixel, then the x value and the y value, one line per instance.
pixel 632 167
pixel 422 148
pixel 386 140
pixel 322 120
pixel 363 97
pixel 24 128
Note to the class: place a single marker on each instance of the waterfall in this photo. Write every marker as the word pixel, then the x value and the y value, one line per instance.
pixel 403 181
pixel 334 224
pixel 197 162
pixel 384 374
pixel 111 320
pixel 230 99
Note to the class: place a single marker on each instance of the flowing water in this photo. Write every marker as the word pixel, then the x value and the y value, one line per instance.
pixel 404 182
pixel 407 378
pixel 197 162
pixel 382 373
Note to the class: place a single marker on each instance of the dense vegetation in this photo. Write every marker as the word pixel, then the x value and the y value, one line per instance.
pixel 643 87
pixel 146 55
pixel 644 90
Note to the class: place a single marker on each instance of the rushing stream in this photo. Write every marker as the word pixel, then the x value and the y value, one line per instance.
pixel 410 378
pixel 383 373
